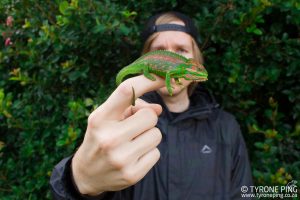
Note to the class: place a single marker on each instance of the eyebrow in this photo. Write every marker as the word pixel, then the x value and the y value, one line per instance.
pixel 176 45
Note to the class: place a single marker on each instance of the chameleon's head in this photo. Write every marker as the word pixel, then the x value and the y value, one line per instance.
pixel 196 71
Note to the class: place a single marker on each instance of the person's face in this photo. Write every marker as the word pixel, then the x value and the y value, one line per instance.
pixel 178 42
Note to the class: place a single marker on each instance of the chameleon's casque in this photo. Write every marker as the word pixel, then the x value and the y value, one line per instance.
pixel 166 64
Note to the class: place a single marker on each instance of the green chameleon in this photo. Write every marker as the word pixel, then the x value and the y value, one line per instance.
pixel 166 64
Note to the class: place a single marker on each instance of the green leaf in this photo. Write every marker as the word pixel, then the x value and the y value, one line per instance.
pixel 257 31
pixel 125 30
pixel 61 142
pixel 63 6
pixel 100 28
pixel 88 102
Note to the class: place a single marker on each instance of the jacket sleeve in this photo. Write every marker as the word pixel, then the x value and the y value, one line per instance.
pixel 63 187
pixel 241 175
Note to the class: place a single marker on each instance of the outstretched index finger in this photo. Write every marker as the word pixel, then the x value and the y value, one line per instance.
pixel 121 98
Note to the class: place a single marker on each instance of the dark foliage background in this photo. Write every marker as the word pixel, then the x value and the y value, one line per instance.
pixel 59 58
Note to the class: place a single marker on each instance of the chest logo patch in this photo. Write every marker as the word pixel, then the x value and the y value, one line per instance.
pixel 206 149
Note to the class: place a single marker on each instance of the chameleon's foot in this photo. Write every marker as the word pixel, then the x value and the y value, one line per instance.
pixel 170 90
pixel 177 81
pixel 149 76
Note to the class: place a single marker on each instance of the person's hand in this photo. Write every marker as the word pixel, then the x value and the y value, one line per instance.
pixel 120 143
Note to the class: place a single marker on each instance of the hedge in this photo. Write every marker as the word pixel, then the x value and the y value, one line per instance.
pixel 59 58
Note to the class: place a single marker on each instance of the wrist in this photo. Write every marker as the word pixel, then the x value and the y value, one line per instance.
pixel 83 189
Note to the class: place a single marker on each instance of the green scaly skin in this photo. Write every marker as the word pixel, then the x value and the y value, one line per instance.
pixel 166 64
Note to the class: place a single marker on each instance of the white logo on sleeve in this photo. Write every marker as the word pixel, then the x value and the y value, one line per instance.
pixel 206 149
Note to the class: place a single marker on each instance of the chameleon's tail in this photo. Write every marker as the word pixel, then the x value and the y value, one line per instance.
pixel 127 71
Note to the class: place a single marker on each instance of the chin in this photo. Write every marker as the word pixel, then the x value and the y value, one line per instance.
pixel 177 89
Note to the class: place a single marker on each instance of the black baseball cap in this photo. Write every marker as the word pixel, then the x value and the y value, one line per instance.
pixel 188 28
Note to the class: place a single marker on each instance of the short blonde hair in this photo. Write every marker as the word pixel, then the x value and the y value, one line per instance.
pixel 165 19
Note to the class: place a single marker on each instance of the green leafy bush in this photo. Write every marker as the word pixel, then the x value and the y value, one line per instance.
pixel 59 58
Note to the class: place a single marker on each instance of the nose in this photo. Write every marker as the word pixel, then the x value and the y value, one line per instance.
pixel 170 49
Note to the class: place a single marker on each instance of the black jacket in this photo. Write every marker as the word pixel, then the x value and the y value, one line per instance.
pixel 203 156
